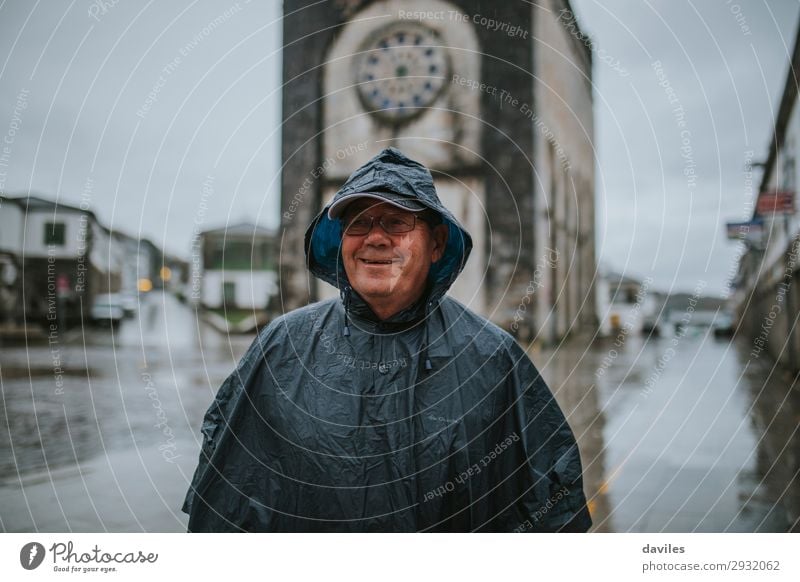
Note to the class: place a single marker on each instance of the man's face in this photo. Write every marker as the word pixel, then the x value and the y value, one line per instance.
pixel 389 270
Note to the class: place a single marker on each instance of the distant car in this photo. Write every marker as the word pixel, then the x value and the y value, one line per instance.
pixel 107 308
pixel 723 325
pixel 130 303
pixel 651 326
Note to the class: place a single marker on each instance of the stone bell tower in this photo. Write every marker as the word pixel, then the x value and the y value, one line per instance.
pixel 494 98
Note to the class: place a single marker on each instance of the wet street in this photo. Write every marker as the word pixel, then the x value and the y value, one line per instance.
pixel 100 430
pixel 681 436
pixel 103 433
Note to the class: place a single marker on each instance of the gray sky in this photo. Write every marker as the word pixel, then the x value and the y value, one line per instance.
pixel 214 69
pixel 726 63
pixel 216 113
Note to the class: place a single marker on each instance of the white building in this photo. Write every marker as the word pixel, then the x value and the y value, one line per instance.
pixel 626 303
pixel 54 257
pixel 234 268
pixel 11 222
pixel 50 244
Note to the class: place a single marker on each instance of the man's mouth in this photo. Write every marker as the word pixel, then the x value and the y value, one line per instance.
pixel 377 261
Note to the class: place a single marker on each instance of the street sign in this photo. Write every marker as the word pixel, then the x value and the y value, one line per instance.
pixel 751 230
pixel 776 202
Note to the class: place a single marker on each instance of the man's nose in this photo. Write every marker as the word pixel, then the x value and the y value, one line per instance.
pixel 376 235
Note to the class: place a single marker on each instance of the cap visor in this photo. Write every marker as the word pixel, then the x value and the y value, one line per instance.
pixel 337 208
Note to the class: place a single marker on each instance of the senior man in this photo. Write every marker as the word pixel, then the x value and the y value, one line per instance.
pixel 393 407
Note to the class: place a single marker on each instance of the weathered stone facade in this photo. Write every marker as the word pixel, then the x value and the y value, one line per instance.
pixel 508 140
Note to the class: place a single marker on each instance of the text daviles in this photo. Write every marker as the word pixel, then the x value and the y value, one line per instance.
pixel 665 549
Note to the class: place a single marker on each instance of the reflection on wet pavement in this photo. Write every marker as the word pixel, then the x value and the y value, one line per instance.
pixel 681 436
pixel 142 386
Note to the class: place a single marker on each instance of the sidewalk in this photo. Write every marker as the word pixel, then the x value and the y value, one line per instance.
pixel 128 491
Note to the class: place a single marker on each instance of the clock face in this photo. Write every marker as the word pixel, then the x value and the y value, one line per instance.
pixel 401 70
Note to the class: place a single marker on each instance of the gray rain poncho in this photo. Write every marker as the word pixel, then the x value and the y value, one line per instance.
pixel 432 420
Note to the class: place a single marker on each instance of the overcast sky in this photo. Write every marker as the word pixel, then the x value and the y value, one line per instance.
pixel 661 209
pixel 137 105
pixel 216 111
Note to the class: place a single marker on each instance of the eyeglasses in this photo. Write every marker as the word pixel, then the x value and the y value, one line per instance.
pixel 390 223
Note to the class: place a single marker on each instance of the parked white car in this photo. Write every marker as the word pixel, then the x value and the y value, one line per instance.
pixel 107 308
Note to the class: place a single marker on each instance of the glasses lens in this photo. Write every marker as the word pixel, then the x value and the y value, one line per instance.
pixel 359 225
pixel 391 223
pixel 398 223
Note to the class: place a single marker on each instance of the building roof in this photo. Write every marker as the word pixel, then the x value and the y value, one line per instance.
pixel 248 229
pixel 784 113
pixel 615 278
pixel 33 202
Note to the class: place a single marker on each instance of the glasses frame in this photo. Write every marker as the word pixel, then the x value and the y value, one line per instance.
pixel 347 222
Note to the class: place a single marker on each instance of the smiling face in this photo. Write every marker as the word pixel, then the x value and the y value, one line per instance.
pixel 389 271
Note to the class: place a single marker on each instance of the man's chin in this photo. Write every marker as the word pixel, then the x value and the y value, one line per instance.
pixel 374 289
pixel 374 293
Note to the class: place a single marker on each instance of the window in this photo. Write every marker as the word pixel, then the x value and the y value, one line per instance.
pixel 229 293
pixel 54 233
pixel 237 255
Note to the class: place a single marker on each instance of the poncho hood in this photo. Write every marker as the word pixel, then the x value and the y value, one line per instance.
pixel 389 171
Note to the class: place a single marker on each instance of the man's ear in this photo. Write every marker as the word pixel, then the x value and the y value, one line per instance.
pixel 439 234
